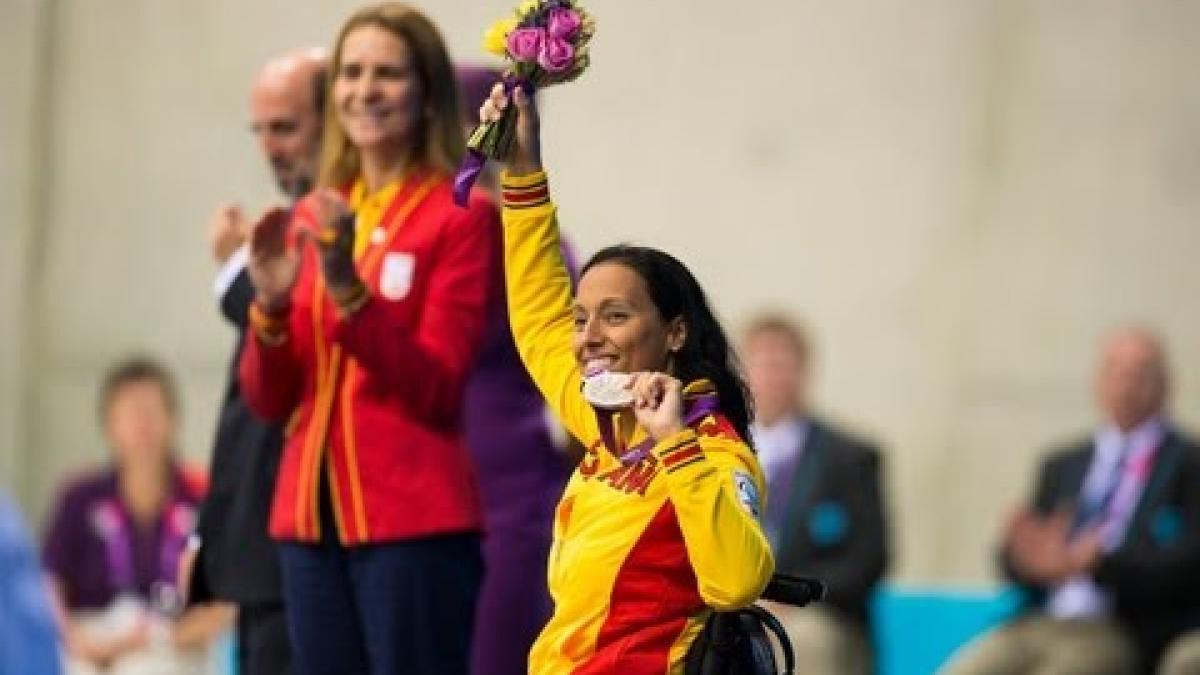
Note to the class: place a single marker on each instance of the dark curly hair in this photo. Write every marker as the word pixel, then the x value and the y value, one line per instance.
pixel 706 352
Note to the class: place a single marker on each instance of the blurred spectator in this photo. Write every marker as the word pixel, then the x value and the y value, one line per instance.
pixel 1109 547
pixel 28 640
pixel 369 310
pixel 825 511
pixel 1183 655
pixel 116 536
pixel 237 561
pixel 522 468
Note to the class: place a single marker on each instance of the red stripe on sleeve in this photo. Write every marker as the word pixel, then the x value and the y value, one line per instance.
pixel 526 196
pixel 680 456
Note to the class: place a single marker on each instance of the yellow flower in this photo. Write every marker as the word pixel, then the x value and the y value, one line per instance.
pixel 527 7
pixel 495 37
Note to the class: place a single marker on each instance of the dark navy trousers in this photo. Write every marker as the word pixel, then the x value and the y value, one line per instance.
pixel 381 609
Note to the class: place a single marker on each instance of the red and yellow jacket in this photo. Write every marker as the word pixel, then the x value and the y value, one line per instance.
pixel 643 552
pixel 373 397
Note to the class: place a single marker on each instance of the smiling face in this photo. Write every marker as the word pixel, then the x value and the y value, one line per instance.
pixel 618 327
pixel 377 91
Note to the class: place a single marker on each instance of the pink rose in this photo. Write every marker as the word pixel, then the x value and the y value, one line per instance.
pixel 526 44
pixel 557 55
pixel 562 23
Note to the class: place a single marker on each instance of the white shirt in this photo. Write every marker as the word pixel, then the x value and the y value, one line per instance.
pixel 230 270
pixel 1080 597
pixel 779 445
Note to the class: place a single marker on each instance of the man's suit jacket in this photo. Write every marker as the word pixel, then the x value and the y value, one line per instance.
pixel 237 560
pixel 834 528
pixel 1154 574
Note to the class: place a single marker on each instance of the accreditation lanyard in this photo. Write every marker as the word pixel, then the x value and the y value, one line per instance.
pixel 116 532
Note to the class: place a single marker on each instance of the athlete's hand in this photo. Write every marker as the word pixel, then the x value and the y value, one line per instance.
pixel 527 151
pixel 657 404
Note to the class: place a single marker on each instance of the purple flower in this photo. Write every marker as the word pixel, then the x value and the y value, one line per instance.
pixel 557 55
pixel 562 23
pixel 526 44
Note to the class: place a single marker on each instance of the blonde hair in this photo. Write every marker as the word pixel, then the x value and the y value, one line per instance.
pixel 440 144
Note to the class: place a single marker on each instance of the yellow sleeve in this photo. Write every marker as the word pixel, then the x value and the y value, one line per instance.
pixel 539 301
pixel 716 487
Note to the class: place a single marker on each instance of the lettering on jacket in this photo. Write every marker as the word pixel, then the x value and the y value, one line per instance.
pixel 624 478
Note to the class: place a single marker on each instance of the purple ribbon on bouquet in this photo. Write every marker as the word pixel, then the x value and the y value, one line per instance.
pixel 468 173
pixel 475 159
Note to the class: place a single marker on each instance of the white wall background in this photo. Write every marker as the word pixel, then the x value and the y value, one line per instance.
pixel 960 196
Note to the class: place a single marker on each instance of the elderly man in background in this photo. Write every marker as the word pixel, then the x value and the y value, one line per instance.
pixel 825 508
pixel 236 560
pixel 1109 547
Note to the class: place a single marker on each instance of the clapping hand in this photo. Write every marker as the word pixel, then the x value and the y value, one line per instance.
pixel 335 241
pixel 273 265
pixel 1041 546
pixel 226 231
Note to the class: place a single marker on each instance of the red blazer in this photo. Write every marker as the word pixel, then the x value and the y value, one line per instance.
pixel 375 396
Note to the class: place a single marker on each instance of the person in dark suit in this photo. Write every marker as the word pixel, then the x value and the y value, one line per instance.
pixel 1109 547
pixel 825 508
pixel 236 561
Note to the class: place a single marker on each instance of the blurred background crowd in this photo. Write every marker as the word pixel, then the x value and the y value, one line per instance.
pixel 955 239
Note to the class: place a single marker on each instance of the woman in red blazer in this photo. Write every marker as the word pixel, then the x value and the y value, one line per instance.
pixel 370 306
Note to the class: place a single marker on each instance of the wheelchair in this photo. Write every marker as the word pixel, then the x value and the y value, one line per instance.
pixel 737 642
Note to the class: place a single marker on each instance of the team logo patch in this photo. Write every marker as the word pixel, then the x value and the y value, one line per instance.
pixel 747 493
pixel 396 275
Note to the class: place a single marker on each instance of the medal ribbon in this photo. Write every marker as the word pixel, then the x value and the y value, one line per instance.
pixel 696 408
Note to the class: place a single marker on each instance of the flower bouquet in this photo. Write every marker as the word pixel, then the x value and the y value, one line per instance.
pixel 546 42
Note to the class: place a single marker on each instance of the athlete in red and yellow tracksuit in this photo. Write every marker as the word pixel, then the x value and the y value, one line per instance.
pixel 642 552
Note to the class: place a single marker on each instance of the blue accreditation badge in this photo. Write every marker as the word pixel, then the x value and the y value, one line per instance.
pixel 829 524
pixel 1167 526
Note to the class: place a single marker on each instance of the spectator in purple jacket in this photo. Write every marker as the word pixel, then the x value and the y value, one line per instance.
pixel 116 535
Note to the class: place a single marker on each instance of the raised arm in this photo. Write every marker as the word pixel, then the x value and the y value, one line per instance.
pixel 539 301
pixel 537 282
